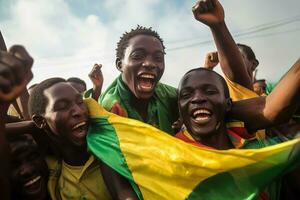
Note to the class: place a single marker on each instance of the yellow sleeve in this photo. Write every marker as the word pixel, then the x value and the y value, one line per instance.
pixel 238 92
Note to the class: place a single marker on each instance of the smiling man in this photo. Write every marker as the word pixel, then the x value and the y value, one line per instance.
pixel 58 109
pixel 29 170
pixel 137 92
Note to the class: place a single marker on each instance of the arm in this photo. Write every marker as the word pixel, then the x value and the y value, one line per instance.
pixel 23 127
pixel 211 13
pixel 118 186
pixel 15 65
pixel 274 109
pixel 96 77
pixel 21 103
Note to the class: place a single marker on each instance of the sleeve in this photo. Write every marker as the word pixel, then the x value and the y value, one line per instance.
pixel 238 92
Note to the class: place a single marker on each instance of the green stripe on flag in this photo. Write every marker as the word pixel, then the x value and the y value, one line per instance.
pixel 243 183
pixel 102 132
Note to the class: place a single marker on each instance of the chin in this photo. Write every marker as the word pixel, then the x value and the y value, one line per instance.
pixel 202 132
pixel 144 95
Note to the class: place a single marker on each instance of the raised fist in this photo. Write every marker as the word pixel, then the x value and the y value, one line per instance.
pixel 15 72
pixel 209 12
pixel 96 76
pixel 211 60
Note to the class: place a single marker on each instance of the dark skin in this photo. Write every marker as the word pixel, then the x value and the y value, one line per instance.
pixel 29 170
pixel 79 87
pixel 63 113
pixel 64 110
pixel 211 13
pixel 259 87
pixel 201 91
pixel 96 77
pixel 14 65
pixel 203 106
pixel 142 67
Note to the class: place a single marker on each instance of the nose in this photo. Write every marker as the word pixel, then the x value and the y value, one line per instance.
pixel 149 63
pixel 78 110
pixel 198 97
pixel 26 170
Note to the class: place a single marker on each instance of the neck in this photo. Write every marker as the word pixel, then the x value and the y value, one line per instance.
pixel 218 140
pixel 141 106
pixel 75 156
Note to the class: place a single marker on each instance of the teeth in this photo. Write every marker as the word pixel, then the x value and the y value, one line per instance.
pixel 32 181
pixel 201 111
pixel 147 76
pixel 78 125
pixel 201 118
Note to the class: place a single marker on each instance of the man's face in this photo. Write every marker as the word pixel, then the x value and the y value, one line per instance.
pixel 66 114
pixel 250 65
pixel 29 170
pixel 143 65
pixel 259 88
pixel 202 103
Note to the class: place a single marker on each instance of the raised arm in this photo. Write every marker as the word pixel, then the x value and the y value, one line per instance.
pixel 211 13
pixel 96 77
pixel 274 109
pixel 15 73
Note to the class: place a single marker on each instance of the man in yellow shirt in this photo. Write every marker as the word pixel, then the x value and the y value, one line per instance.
pixel 57 108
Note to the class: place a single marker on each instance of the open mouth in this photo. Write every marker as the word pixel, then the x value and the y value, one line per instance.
pixel 146 82
pixel 79 130
pixel 33 185
pixel 201 115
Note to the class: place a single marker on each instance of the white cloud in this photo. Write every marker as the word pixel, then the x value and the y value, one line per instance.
pixel 65 44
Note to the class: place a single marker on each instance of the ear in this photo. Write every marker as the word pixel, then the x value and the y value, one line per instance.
pixel 255 63
pixel 39 121
pixel 119 64
pixel 228 104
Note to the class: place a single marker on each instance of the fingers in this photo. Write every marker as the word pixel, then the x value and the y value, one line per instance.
pixel 204 6
pixel 96 71
pixel 213 56
pixel 21 53
pixel 15 72
pixel 14 65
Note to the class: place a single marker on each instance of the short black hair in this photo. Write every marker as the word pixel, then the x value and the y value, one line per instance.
pixel 77 80
pixel 260 81
pixel 139 30
pixel 32 86
pixel 226 90
pixel 248 51
pixel 37 100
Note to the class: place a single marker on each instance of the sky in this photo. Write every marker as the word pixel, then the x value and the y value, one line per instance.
pixel 66 37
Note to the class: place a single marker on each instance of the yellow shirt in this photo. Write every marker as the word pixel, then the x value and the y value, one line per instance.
pixel 76 182
pixel 237 93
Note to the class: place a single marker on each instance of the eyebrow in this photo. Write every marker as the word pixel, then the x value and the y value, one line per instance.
pixel 143 49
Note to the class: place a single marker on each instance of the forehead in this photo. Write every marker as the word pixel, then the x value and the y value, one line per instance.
pixel 146 42
pixel 80 87
pixel 199 78
pixel 59 91
pixel 259 84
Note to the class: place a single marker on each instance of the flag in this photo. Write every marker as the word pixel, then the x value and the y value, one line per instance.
pixel 159 166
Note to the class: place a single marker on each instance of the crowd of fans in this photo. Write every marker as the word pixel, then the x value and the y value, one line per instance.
pixel 43 148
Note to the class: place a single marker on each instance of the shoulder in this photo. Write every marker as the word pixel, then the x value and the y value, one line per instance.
pixel 164 90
